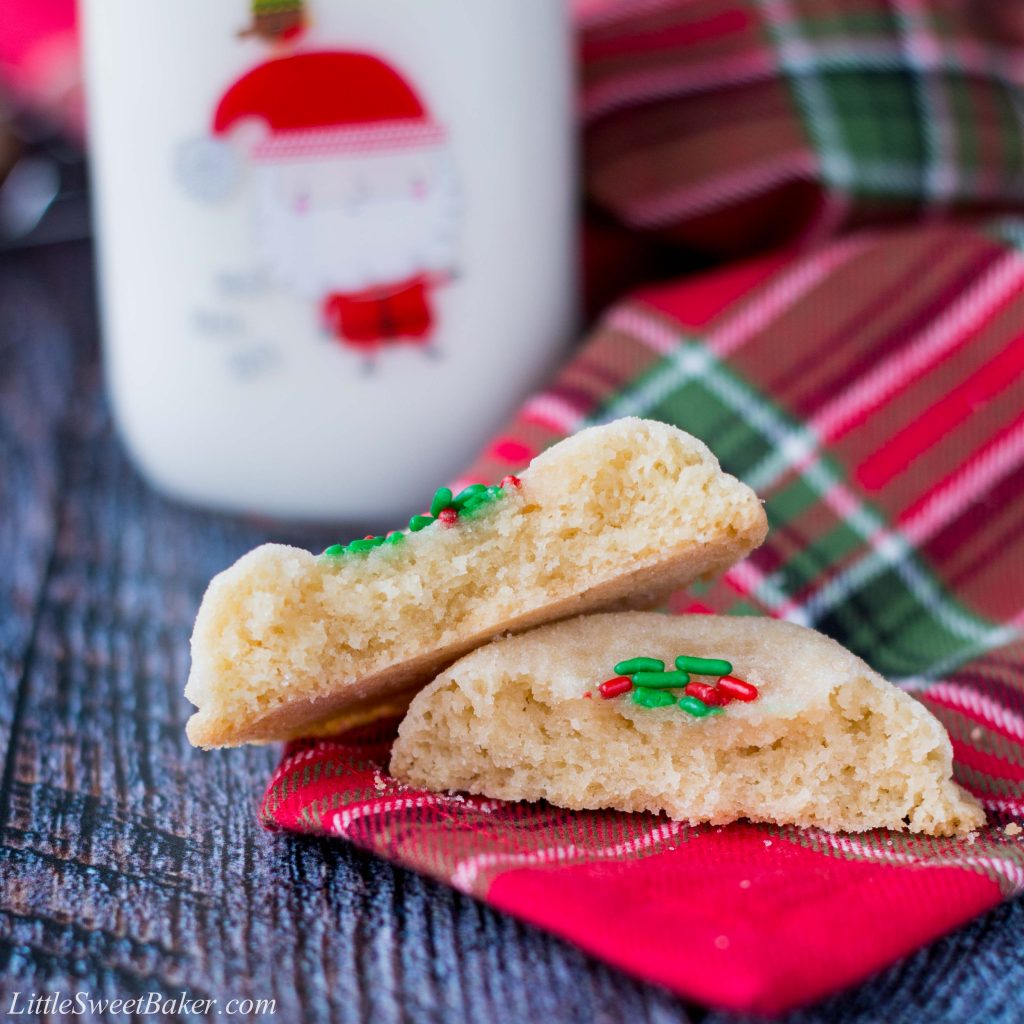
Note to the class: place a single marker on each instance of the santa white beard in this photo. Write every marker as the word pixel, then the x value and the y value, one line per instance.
pixel 347 224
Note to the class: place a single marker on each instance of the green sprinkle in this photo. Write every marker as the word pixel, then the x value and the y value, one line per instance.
pixel 697 708
pixel 395 537
pixel 628 667
pixel 466 493
pixel 361 545
pixel 653 698
pixel 441 500
pixel 660 680
pixel 474 505
pixel 703 666
pixel 418 523
pixel 334 550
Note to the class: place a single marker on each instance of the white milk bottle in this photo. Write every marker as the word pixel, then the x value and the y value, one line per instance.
pixel 336 239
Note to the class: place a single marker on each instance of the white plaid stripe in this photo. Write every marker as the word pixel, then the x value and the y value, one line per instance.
pixel 890 548
pixel 702 197
pixel 1004 867
pixel 466 871
pixel 881 176
pixel 931 60
pixel 552 413
pixel 1005 805
pixel 950 329
pixel 886 549
pixel 921 48
pixel 746 319
pixel 601 15
pixel 637 87
pixel 953 59
pixel 903 180
pixel 990 465
pixel 796 54
pixel 894 549
pixel 976 705
pixel 953 327
pixel 1011 630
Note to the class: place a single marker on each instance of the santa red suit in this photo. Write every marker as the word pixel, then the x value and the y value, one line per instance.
pixel 355 196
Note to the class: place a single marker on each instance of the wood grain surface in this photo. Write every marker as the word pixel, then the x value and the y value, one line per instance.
pixel 132 863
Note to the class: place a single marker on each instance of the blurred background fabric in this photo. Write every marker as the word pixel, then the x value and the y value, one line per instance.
pixel 731 125
pixel 720 128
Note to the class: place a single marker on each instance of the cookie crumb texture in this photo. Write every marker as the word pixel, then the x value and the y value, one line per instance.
pixel 615 516
pixel 829 742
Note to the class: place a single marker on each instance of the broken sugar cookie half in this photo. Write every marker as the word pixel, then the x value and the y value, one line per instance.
pixel 617 515
pixel 707 718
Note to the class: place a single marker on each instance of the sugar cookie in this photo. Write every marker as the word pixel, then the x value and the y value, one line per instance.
pixel 707 718
pixel 615 516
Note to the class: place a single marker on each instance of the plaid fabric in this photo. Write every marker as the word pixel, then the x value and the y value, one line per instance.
pixel 732 124
pixel 873 392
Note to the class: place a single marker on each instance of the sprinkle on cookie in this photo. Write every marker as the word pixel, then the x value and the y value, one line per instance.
pixel 445 508
pixel 649 682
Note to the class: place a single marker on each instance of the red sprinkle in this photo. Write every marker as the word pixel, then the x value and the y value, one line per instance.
pixel 615 686
pixel 587 694
pixel 447 516
pixel 511 481
pixel 369 536
pixel 738 688
pixel 707 693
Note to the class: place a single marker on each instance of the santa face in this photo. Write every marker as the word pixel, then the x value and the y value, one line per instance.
pixel 345 224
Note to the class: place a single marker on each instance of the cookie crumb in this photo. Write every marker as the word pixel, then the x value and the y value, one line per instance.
pixel 1013 829
pixel 745 884
pixel 971 837
pixel 767 842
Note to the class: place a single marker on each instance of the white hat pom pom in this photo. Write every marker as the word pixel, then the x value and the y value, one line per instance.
pixel 210 169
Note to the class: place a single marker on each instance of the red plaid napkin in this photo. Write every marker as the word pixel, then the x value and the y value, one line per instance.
pixel 873 392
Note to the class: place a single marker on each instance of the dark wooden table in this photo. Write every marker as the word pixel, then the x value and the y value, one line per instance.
pixel 132 863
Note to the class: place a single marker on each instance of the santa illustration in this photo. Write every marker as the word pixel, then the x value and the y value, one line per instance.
pixel 354 195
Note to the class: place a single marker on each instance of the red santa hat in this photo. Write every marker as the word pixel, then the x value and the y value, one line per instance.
pixel 309 105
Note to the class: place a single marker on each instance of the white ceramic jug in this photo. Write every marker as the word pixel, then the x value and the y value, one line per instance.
pixel 336 239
